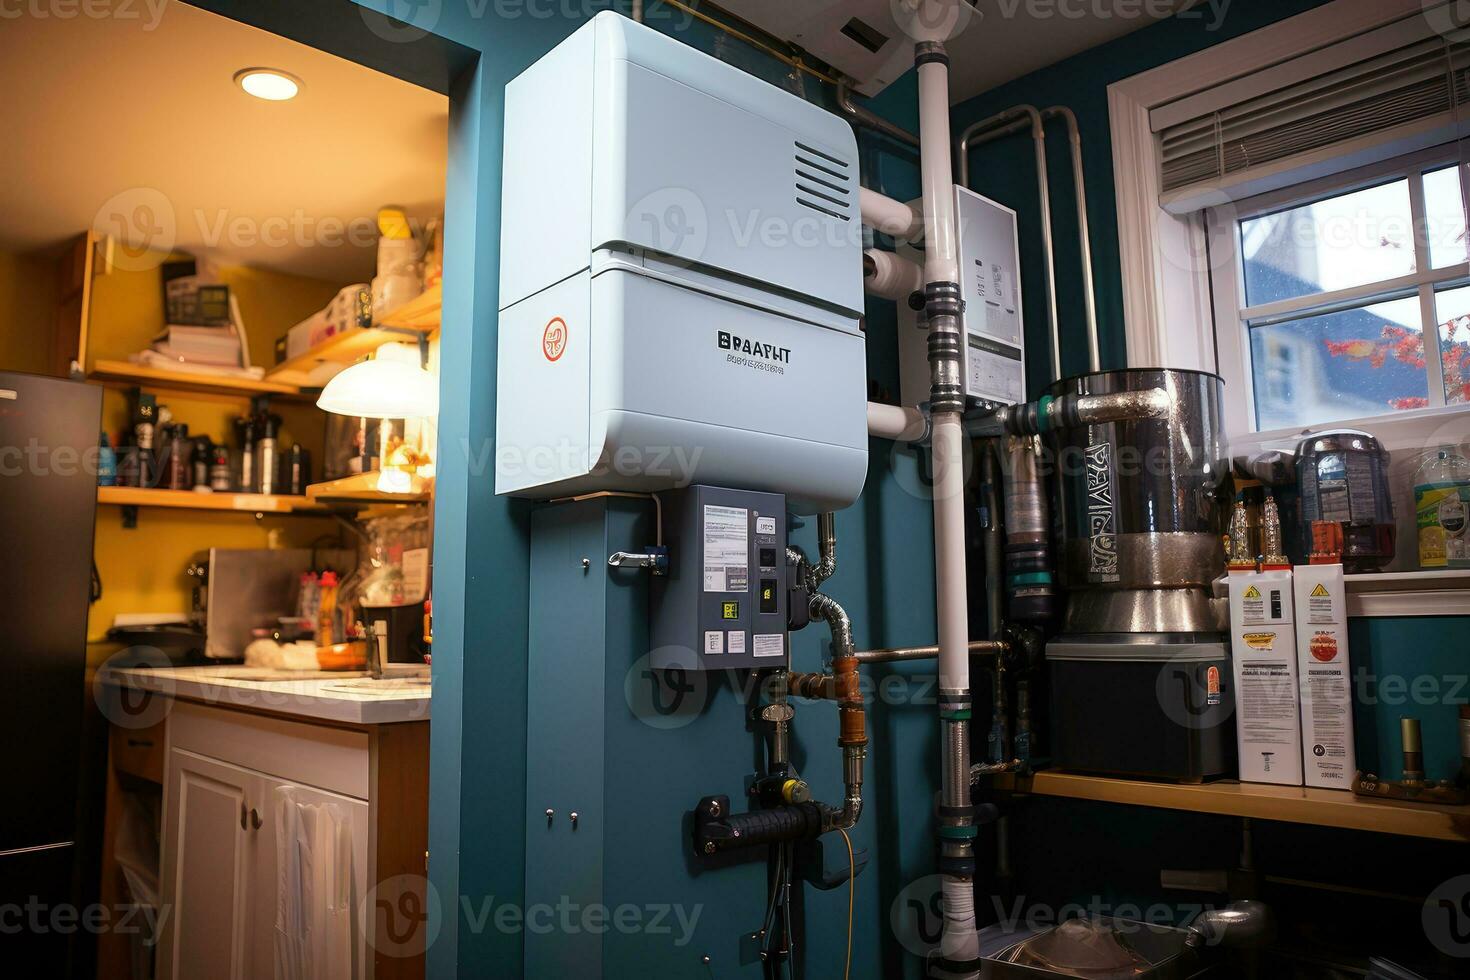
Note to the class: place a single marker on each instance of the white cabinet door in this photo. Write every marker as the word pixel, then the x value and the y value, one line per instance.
pixel 208 870
pixel 270 878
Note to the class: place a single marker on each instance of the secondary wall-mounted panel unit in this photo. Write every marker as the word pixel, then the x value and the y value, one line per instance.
pixel 680 279
pixel 990 274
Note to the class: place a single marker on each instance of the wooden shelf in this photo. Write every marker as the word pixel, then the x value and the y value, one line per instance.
pixel 418 316
pixel 250 503
pixel 1291 804
pixel 362 489
pixel 130 374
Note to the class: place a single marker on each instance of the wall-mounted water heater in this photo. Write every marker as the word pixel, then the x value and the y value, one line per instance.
pixel 680 280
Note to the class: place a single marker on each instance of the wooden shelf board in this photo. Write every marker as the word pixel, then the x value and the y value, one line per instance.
pixel 418 316
pixel 128 373
pixel 250 503
pixel 1291 804
pixel 420 313
pixel 360 489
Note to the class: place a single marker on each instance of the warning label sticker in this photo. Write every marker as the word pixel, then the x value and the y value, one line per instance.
pixel 1252 593
pixel 769 644
pixel 1320 607
pixel 726 549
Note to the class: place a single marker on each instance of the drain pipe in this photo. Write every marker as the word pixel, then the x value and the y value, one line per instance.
pixel 1006 123
pixel 959 944
pixel 1074 140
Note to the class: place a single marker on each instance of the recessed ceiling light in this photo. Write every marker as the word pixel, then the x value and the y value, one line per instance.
pixel 268 83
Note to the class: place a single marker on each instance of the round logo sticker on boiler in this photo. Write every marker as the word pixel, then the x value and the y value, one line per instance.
pixel 554 338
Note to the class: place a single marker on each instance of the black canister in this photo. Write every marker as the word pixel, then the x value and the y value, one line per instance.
pixel 298 470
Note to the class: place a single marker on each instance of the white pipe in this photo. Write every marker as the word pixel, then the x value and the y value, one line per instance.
pixel 901 423
pixel 948 442
pixel 889 216
pixel 959 942
pixel 941 255
pixel 893 276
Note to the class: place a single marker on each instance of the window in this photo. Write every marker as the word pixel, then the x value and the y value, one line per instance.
pixel 1347 298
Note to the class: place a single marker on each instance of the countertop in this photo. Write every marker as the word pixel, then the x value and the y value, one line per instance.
pixel 345 696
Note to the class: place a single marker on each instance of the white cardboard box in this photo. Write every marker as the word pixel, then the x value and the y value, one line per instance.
pixel 1263 654
pixel 1328 759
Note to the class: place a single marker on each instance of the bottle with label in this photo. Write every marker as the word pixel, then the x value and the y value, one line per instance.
pixel 106 463
pixel 326 621
pixel 1441 506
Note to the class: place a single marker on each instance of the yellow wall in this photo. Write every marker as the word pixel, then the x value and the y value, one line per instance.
pixel 142 568
pixel 27 311
pixel 127 309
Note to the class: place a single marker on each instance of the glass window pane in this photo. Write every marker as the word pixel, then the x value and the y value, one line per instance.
pixel 1349 240
pixel 1454 343
pixel 1444 217
pixel 1359 362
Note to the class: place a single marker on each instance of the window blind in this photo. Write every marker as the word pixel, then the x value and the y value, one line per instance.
pixel 1209 140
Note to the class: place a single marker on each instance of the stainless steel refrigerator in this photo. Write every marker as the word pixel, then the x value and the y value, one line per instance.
pixel 48 502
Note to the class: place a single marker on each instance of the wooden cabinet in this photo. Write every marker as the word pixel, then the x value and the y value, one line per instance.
pixel 244 795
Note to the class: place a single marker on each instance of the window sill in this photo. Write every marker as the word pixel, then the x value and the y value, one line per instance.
pixel 1423 593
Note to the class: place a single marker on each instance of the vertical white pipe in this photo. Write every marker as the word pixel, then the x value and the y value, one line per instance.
pixel 948 442
pixel 959 942
pixel 941 256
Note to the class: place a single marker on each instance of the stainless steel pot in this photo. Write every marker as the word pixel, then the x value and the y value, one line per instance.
pixel 1139 510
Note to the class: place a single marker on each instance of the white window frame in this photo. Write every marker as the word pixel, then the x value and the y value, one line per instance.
pixel 1168 296
pixel 1232 341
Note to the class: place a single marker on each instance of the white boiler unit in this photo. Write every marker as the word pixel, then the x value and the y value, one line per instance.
pixel 680 279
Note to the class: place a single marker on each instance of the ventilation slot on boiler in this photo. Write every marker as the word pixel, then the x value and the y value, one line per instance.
pixel 823 182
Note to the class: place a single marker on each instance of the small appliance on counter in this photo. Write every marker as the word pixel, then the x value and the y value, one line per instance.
pixel 238 590
pixel 1345 506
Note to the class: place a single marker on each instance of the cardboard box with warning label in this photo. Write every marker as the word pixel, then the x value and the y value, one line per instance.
pixel 1326 677
pixel 1263 653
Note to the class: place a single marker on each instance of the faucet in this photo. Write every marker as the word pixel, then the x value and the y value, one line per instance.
pixel 377 649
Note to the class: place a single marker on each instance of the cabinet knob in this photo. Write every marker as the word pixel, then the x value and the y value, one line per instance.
pixel 254 819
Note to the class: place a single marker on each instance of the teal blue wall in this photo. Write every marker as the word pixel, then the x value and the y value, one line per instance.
pixel 1004 171
pixel 481 545
pixel 1409 668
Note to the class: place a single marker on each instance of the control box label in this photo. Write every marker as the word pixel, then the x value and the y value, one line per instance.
pixel 726 549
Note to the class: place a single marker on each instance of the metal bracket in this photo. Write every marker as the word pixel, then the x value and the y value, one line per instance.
pixel 811 864
pixel 655 558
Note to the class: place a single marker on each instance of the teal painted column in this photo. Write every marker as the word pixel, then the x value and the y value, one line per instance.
pixel 482 573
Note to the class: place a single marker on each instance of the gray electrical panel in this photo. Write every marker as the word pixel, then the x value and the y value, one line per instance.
pixel 723 602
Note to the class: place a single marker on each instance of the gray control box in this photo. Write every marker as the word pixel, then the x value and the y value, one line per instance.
pixel 723 602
